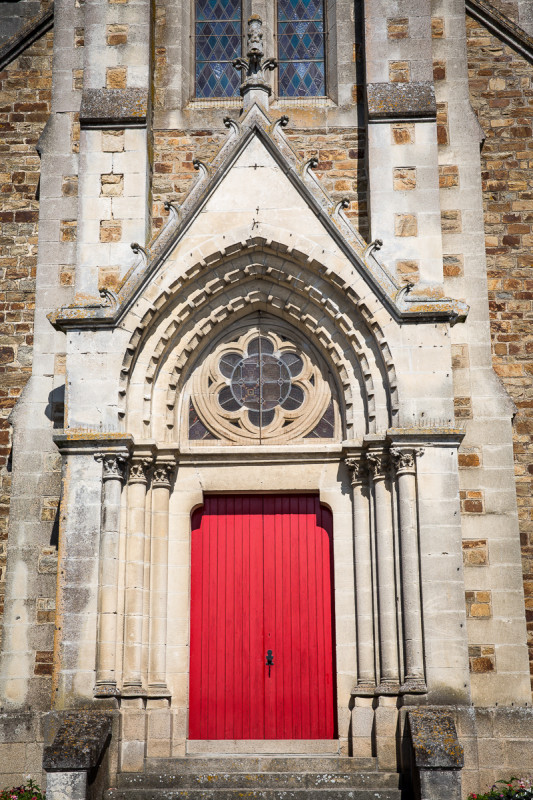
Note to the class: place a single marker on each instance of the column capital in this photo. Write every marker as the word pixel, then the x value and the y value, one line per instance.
pixel 404 459
pixel 138 472
pixel 162 474
pixel 358 467
pixel 114 466
pixel 378 464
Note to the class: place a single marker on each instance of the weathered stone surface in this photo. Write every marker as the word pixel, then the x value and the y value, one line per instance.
pixel 114 106
pixel 434 740
pixel 79 742
pixel 398 101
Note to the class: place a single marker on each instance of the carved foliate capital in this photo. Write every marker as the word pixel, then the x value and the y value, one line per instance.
pixel 404 460
pixel 162 474
pixel 358 469
pixel 378 465
pixel 114 466
pixel 139 470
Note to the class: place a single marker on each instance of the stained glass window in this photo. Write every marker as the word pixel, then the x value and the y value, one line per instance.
pixel 218 42
pixel 301 48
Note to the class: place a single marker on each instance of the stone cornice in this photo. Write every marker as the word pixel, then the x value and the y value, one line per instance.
pixel 410 304
pixel 30 32
pixel 79 441
pixel 501 26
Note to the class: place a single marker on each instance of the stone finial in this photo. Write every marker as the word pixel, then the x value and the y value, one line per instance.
pixel 255 88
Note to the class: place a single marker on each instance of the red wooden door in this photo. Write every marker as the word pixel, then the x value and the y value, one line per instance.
pixel 261 579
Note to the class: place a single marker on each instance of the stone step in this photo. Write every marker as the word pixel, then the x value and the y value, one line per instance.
pixel 254 794
pixel 312 763
pixel 209 779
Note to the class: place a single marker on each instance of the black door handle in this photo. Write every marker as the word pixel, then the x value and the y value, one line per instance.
pixel 269 661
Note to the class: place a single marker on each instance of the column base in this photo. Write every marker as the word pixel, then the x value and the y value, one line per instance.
pixel 106 690
pixel 413 686
pixel 387 688
pixel 133 691
pixel 364 690
pixel 158 691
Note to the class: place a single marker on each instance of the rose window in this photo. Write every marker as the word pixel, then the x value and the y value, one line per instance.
pixel 261 386
pixel 260 381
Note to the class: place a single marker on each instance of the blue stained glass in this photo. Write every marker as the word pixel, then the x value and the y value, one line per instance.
pixel 302 79
pixel 218 9
pixel 301 52
pixel 300 9
pixel 218 42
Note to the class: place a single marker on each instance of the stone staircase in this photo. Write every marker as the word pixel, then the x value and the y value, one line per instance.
pixel 261 777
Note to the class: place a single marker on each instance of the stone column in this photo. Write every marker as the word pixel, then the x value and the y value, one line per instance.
pixel 134 591
pixel 113 477
pixel 366 675
pixel 159 577
pixel 405 467
pixel 386 578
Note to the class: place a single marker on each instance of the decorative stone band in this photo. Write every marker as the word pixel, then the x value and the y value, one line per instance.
pixel 398 102
pixel 123 108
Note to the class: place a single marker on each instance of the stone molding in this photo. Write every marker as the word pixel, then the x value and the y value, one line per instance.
pixel 357 347
pixel 30 32
pixel 502 27
pixel 425 304
pixel 401 102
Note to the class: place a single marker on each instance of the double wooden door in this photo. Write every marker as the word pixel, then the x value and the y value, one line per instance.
pixel 262 641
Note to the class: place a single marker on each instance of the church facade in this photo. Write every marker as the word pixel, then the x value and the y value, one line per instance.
pixel 267 497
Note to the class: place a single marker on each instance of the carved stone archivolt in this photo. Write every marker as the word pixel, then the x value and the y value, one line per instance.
pixel 261 386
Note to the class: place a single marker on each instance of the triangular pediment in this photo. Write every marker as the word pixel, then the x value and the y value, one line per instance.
pixel 257 180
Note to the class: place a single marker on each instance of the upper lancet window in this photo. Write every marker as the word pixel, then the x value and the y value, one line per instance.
pixel 301 50
pixel 261 386
pixel 218 38
pixel 300 47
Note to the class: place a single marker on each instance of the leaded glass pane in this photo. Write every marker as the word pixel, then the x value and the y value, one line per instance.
pixel 301 48
pixel 218 42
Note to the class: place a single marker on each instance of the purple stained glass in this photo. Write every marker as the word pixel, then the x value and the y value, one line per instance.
pixel 301 52
pixel 197 429
pixel 325 428
pixel 218 42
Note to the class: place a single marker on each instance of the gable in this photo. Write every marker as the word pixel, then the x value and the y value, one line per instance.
pixel 255 171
